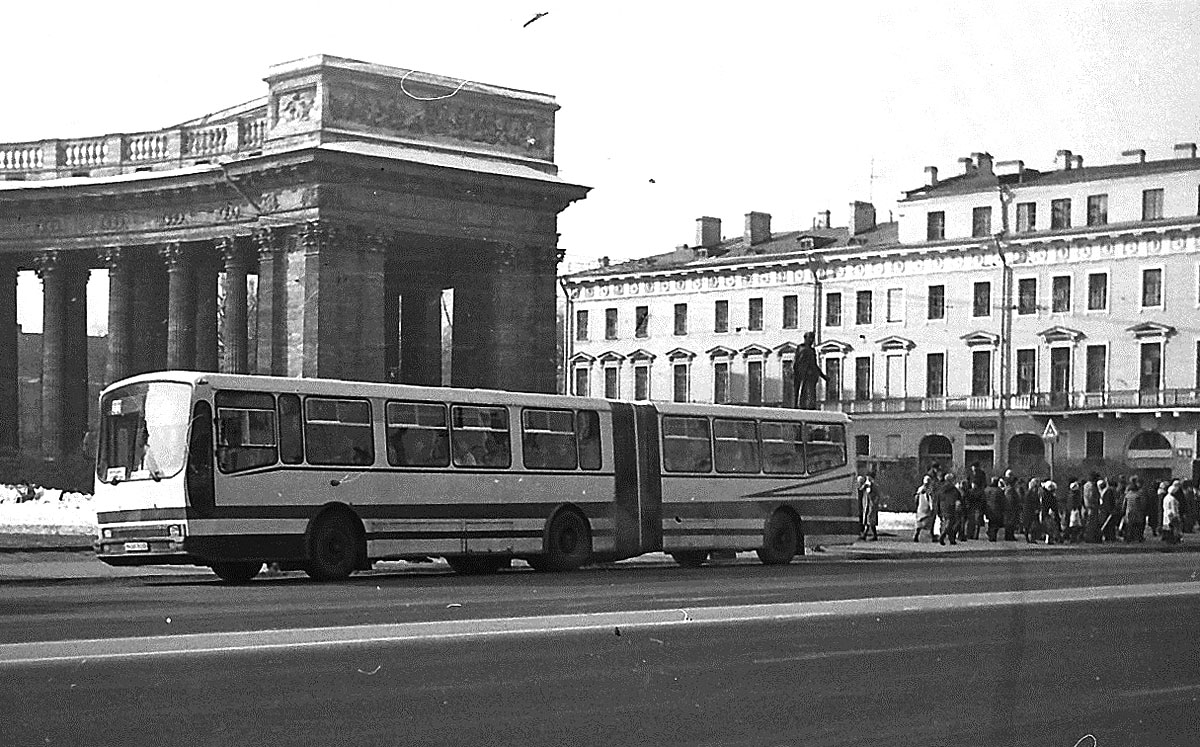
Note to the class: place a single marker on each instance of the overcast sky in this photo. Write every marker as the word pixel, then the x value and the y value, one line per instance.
pixel 669 111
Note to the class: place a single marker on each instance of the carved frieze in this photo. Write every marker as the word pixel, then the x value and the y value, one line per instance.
pixel 295 107
pixel 457 117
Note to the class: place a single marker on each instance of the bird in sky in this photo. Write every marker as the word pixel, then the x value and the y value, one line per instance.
pixel 531 20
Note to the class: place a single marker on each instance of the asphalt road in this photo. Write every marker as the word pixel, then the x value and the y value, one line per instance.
pixel 1120 669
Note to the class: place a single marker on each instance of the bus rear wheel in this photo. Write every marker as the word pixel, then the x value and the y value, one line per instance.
pixel 568 543
pixel 781 540
pixel 475 565
pixel 237 571
pixel 690 558
pixel 334 547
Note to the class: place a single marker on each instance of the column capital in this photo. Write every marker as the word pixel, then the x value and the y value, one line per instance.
pixel 47 262
pixel 172 253
pixel 267 240
pixel 230 251
pixel 112 256
pixel 315 233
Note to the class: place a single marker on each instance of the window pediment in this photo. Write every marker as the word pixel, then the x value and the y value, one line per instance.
pixel 787 348
pixel 834 347
pixel 980 337
pixel 751 351
pixel 720 351
pixel 680 354
pixel 896 342
pixel 611 357
pixel 1059 333
pixel 641 355
pixel 583 359
pixel 1151 330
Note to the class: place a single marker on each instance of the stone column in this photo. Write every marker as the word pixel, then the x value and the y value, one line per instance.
pixel 367 304
pixel 206 271
pixel 10 403
pixel 64 354
pixel 181 308
pixel 474 314
pixel 272 303
pixel 120 314
pixel 234 327
pixel 421 331
pixel 150 314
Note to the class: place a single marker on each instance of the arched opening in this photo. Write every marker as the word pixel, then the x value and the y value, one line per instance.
pixel 1149 441
pixel 1027 456
pixel 935 448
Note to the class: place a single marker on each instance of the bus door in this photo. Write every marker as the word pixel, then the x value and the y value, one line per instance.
pixel 638 492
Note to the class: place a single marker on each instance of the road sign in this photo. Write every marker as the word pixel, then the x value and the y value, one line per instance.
pixel 1051 432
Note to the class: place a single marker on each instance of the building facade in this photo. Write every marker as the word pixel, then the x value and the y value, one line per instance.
pixel 1000 299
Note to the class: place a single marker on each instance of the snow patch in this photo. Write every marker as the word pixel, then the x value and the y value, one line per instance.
pixel 51 511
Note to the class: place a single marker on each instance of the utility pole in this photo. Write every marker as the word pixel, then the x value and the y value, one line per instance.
pixel 1006 310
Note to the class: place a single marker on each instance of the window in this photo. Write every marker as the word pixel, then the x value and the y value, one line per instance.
pixel 720 382
pixel 587 435
pixel 735 445
pixel 582 377
pixel 1060 370
pixel 833 309
pixel 782 448
pixel 1096 360
pixel 1097 291
pixel 1094 445
pixel 417 434
pixel 935 226
pixel 610 324
pixel 581 324
pixel 1026 217
pixel 935 374
pixel 862 307
pixel 1152 204
pixel 291 429
pixel 754 319
pixel 833 387
pixel 862 379
pixel 1060 294
pixel 895 304
pixel 641 382
pixel 937 302
pixel 1027 296
pixel 681 318
pixel 641 321
pixel 862 444
pixel 791 312
pixel 245 431
pixel 1060 213
pixel 824 446
pixel 612 382
pixel 548 439
pixel 981 373
pixel 679 382
pixel 720 316
pixel 1097 210
pixel 1026 371
pixel 1151 367
pixel 787 376
pixel 338 431
pixel 480 436
pixel 981 222
pixel 686 445
pixel 1152 288
pixel 982 299
pixel 754 381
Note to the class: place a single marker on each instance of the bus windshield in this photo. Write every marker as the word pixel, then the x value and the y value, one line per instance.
pixel 143 432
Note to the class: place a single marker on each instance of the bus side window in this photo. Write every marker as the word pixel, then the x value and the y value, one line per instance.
pixel 736 444
pixel 338 431
pixel 548 439
pixel 824 446
pixel 687 446
pixel 782 448
pixel 291 430
pixel 480 436
pixel 587 433
pixel 200 459
pixel 417 434
pixel 245 430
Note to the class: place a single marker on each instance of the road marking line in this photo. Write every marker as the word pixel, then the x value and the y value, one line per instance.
pixel 1159 691
pixel 40 652
pixel 819 655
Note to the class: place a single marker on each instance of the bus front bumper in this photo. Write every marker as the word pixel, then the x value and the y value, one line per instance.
pixel 143 545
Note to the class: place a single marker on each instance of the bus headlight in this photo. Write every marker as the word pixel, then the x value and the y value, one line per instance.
pixel 175 530
pixel 107 534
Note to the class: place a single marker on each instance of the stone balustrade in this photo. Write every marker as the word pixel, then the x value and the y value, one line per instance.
pixel 136 151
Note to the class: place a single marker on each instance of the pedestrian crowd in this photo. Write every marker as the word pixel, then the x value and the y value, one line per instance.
pixel 1094 509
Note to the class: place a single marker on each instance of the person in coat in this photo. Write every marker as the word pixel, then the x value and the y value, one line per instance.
pixel 993 507
pixel 1031 506
pixel 1091 509
pixel 1048 506
pixel 1012 505
pixel 926 511
pixel 949 509
pixel 868 497
pixel 1133 525
pixel 1106 517
pixel 1171 525
pixel 806 371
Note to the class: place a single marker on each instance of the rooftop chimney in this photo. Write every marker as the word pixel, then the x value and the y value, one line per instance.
pixel 982 162
pixel 1063 161
pixel 1139 154
pixel 862 217
pixel 822 220
pixel 708 232
pixel 1009 168
pixel 968 164
pixel 758 228
pixel 1185 150
pixel 931 179
pixel 1078 162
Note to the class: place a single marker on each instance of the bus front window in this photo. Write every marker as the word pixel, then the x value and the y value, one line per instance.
pixel 143 432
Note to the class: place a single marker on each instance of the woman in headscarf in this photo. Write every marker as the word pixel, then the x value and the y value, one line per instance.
pixel 925 510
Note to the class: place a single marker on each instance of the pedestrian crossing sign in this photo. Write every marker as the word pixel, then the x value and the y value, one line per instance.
pixel 1051 432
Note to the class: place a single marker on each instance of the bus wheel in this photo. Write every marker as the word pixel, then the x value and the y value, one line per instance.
pixel 568 543
pixel 237 571
pixel 475 565
pixel 781 540
pixel 690 558
pixel 333 547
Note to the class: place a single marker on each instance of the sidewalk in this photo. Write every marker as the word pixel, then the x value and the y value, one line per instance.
pixel 899 545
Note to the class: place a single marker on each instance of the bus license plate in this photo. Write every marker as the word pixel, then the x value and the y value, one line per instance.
pixel 137 547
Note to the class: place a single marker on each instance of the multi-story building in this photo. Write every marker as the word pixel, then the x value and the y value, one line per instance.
pixel 1001 298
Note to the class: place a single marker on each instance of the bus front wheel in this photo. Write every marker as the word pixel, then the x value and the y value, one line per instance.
pixel 333 547
pixel 237 571
pixel 568 543
pixel 781 540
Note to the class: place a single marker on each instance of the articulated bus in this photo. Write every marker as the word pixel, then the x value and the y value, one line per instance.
pixel 232 471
